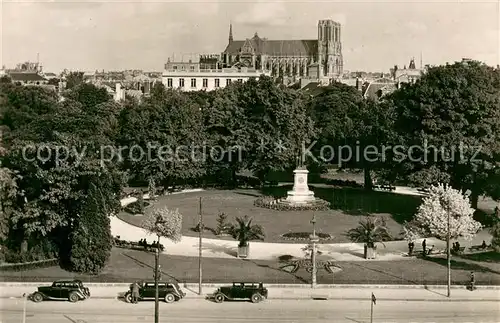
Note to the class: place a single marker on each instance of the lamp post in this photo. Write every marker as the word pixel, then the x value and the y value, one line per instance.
pixel 314 239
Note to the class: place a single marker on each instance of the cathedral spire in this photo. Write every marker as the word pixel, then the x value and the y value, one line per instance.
pixel 230 32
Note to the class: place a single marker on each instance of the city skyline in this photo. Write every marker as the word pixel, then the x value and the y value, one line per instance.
pixel 117 35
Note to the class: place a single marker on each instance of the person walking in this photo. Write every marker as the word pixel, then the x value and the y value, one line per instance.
pixel 135 293
pixel 472 281
pixel 424 247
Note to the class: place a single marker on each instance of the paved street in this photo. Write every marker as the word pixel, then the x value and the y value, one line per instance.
pixel 202 311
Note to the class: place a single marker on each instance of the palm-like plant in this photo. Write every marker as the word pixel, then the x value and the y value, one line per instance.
pixel 244 231
pixel 370 231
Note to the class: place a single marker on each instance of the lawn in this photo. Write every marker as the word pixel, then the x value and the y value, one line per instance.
pixel 349 206
pixel 128 265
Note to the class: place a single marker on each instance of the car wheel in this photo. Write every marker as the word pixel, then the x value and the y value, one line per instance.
pixel 256 298
pixel 128 298
pixel 169 298
pixel 219 298
pixel 73 297
pixel 37 297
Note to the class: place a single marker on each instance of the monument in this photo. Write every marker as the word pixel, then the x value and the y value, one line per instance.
pixel 300 194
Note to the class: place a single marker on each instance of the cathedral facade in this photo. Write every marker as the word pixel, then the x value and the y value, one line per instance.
pixel 319 58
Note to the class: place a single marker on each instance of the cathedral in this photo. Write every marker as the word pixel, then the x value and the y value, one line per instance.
pixel 319 58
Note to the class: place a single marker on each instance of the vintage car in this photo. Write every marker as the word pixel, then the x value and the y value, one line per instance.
pixel 169 292
pixel 71 290
pixel 255 292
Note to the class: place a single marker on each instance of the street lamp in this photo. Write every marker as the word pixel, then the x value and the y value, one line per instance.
pixel 314 239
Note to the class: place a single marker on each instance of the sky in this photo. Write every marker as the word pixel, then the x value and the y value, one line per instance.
pixel 118 35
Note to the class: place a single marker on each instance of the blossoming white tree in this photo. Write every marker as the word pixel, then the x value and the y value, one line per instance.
pixel 446 214
pixel 165 223
pixel 431 218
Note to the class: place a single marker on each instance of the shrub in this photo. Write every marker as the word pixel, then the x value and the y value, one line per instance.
pixel 299 236
pixel 222 226
pixel 343 183
pixel 135 207
pixel 272 203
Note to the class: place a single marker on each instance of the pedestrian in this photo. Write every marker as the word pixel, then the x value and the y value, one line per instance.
pixel 411 245
pixel 472 281
pixel 424 247
pixel 483 245
pixel 135 293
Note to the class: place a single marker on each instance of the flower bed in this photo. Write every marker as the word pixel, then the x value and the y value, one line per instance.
pixel 273 203
pixel 303 236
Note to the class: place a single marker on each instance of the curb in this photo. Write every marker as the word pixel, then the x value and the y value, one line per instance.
pixel 444 300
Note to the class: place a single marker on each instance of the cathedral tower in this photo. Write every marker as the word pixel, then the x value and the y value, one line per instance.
pixel 330 59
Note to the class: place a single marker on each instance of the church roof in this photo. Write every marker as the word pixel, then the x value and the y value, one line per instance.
pixel 275 47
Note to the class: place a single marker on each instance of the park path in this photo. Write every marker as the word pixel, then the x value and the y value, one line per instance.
pixel 218 248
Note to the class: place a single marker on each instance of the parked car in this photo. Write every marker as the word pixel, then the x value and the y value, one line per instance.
pixel 255 292
pixel 71 290
pixel 169 292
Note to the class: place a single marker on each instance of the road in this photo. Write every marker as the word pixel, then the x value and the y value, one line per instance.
pixel 276 311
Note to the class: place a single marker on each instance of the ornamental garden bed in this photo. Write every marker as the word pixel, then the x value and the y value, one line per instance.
pixel 305 236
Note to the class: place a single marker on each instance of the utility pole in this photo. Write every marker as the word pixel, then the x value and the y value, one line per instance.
pixel 448 251
pixel 24 308
pixel 157 304
pixel 200 251
pixel 314 239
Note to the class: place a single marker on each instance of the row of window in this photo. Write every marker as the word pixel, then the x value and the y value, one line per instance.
pixel 170 82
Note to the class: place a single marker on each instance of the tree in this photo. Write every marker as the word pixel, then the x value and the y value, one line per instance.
pixel 8 191
pixel 222 225
pixel 431 219
pixel 165 138
pixel 277 123
pixel 74 79
pixel 495 232
pixel 226 126
pixel 162 223
pixel 335 114
pixel 444 213
pixel 90 241
pixel 244 231
pixel 370 231
pixel 452 114
pixel 89 95
pixel 151 188
pixel 54 149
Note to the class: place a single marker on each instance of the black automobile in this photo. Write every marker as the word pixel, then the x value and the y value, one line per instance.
pixel 256 292
pixel 71 290
pixel 169 292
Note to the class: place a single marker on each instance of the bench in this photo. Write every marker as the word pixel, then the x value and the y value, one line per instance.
pixel 459 251
pixel 479 248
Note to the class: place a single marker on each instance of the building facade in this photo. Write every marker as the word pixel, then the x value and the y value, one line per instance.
pixel 319 58
pixel 196 76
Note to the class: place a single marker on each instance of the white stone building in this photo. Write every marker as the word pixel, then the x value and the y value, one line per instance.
pixel 188 76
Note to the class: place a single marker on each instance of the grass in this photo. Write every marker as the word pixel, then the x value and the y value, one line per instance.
pixel 235 203
pixel 128 265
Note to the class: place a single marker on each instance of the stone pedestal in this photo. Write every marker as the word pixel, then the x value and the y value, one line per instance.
pixel 300 194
